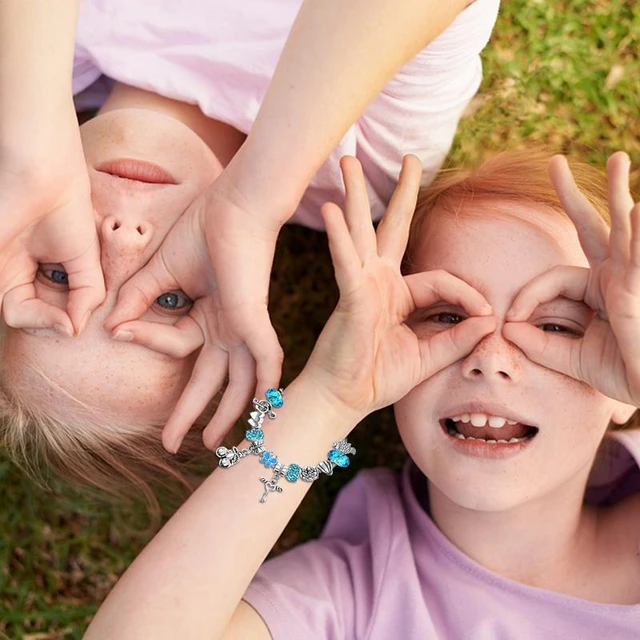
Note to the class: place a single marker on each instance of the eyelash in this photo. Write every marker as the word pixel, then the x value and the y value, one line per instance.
pixel 560 328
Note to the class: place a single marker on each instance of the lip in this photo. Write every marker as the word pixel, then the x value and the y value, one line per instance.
pixel 136 170
pixel 478 448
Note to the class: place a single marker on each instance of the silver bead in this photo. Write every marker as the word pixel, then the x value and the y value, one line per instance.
pixel 326 466
pixel 309 474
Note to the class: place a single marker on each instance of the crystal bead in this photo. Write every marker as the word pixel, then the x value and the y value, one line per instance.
pixel 338 458
pixel 254 435
pixel 293 472
pixel 275 398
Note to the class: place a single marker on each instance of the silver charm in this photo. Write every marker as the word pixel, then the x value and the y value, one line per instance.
pixel 256 419
pixel 270 486
pixel 343 446
pixel 326 466
pixel 228 457
pixel 309 474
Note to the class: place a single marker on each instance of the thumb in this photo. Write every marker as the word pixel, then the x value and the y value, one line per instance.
pixel 549 350
pixel 86 286
pixel 178 340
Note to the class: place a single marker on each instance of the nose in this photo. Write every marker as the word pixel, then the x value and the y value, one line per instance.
pixel 493 359
pixel 125 242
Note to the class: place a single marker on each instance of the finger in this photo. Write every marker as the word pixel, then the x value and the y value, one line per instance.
pixel 86 285
pixel 236 397
pixel 178 340
pixel 568 282
pixel 21 309
pixel 139 292
pixel 206 379
pixel 429 287
pixel 357 209
pixel 393 230
pixel 634 254
pixel 592 229
pixel 347 265
pixel 547 349
pixel 448 347
pixel 620 205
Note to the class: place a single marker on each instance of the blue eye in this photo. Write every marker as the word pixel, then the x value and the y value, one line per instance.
pixel 54 273
pixel 173 300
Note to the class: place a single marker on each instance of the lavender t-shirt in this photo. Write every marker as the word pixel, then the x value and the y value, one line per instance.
pixel 221 55
pixel 382 570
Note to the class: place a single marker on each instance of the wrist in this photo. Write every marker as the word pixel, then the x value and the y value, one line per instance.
pixel 256 188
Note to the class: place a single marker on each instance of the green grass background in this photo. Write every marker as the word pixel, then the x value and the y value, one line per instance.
pixel 561 74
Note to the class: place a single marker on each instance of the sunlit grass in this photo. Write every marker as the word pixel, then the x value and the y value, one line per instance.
pixel 563 75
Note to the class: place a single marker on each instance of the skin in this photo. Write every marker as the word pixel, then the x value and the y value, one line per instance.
pixel 62 373
pixel 471 497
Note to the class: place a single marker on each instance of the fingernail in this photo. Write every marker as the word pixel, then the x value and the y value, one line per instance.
pixel 176 446
pixel 64 330
pixel 123 336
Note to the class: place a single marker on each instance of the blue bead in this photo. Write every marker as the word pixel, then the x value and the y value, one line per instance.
pixel 268 459
pixel 339 458
pixel 293 472
pixel 274 397
pixel 254 435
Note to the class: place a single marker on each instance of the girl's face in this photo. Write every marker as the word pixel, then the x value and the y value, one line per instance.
pixel 497 248
pixel 119 379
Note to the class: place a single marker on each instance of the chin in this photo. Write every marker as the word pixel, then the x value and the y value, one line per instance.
pixel 482 495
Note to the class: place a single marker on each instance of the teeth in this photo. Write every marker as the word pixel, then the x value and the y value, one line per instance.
pixel 478 419
pixel 482 420
pixel 460 436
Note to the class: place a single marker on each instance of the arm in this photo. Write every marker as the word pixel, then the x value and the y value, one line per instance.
pixel 336 59
pixel 45 204
pixel 36 63
pixel 193 574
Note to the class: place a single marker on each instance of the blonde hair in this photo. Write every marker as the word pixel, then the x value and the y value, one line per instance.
pixel 518 177
pixel 96 450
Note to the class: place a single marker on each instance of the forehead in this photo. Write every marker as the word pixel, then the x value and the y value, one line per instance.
pixel 497 244
pixel 119 381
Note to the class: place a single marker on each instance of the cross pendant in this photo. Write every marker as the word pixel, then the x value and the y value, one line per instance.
pixel 269 486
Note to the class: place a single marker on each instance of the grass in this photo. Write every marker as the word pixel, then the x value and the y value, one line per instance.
pixel 563 75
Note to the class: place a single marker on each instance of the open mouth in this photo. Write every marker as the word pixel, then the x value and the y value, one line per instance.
pixel 489 429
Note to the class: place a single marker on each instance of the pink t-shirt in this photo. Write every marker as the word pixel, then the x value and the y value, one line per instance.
pixel 382 570
pixel 221 56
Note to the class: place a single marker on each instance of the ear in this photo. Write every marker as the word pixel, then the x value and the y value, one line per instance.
pixel 622 412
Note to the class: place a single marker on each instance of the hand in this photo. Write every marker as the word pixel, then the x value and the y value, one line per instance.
pixel 607 356
pixel 366 356
pixel 219 256
pixel 46 218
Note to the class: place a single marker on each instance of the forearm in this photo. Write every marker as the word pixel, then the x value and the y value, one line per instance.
pixel 338 56
pixel 193 574
pixel 36 66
